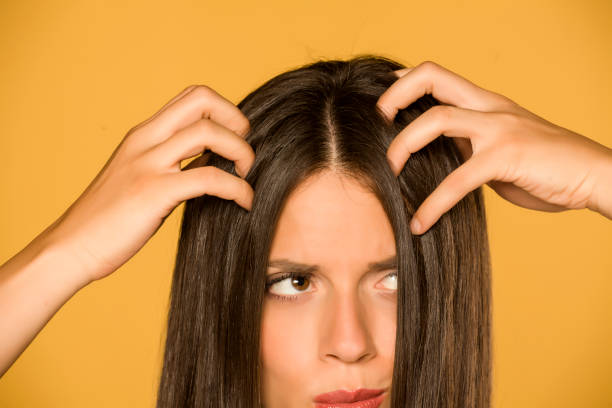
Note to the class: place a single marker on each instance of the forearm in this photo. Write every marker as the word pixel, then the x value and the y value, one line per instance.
pixel 34 284
pixel 601 200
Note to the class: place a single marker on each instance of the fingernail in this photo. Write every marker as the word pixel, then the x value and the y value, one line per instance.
pixel 242 172
pixel 415 226
pixel 386 114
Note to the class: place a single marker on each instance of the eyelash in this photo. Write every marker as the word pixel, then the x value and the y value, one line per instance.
pixel 285 298
pixel 291 298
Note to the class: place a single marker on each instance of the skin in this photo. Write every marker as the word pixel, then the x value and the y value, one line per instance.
pixel 344 337
pixel 525 159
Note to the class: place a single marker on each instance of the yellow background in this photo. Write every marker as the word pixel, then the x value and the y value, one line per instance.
pixel 76 76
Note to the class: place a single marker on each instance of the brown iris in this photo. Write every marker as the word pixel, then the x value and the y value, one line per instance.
pixel 300 282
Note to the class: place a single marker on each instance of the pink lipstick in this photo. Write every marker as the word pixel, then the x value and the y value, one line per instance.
pixel 360 398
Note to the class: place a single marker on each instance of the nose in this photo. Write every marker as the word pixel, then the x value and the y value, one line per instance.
pixel 345 332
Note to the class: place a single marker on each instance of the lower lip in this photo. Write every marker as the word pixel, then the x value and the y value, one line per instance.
pixel 369 403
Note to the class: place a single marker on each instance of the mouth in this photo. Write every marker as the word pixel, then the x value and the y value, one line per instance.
pixel 360 398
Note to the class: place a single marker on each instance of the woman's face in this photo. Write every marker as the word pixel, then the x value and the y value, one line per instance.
pixel 334 329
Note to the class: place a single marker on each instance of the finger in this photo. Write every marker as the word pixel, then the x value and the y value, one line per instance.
pixel 183 92
pixel 401 72
pixel 476 171
pixel 439 120
pixel 171 101
pixel 445 85
pixel 199 136
pixel 209 180
pixel 200 102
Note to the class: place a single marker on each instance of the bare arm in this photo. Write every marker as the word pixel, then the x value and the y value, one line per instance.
pixel 34 284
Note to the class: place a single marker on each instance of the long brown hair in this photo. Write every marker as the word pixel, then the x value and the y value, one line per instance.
pixel 323 116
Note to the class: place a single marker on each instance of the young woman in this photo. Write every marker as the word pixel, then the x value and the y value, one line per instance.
pixel 354 270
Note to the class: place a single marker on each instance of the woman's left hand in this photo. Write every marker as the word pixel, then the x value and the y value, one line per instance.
pixel 527 160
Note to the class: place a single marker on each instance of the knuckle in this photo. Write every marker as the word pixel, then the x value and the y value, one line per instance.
pixel 441 112
pixel 202 91
pixel 133 129
pixel 127 149
pixel 205 95
pixel 429 66
pixel 135 138
pixel 211 174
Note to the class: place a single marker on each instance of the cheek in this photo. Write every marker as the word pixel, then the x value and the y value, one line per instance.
pixel 386 326
pixel 287 342
pixel 382 318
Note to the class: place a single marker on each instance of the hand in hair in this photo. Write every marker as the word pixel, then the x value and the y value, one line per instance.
pixel 141 183
pixel 527 160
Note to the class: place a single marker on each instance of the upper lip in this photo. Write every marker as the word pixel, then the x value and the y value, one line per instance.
pixel 340 396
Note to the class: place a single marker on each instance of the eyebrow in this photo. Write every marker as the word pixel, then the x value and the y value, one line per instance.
pixel 288 266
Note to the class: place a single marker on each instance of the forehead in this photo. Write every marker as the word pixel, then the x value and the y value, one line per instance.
pixel 333 221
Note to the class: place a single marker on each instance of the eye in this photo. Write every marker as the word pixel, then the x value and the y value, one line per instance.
pixel 288 284
pixel 391 280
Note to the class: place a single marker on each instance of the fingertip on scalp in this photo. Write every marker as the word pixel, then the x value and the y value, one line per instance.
pixel 249 206
pixel 415 226
pixel 392 165
pixel 387 114
pixel 246 128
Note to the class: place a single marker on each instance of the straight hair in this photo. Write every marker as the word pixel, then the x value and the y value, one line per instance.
pixel 323 117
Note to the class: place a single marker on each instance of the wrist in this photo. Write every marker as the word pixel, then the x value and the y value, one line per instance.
pixel 601 197
pixel 58 259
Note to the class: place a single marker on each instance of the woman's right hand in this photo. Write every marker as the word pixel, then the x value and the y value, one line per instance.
pixel 142 181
